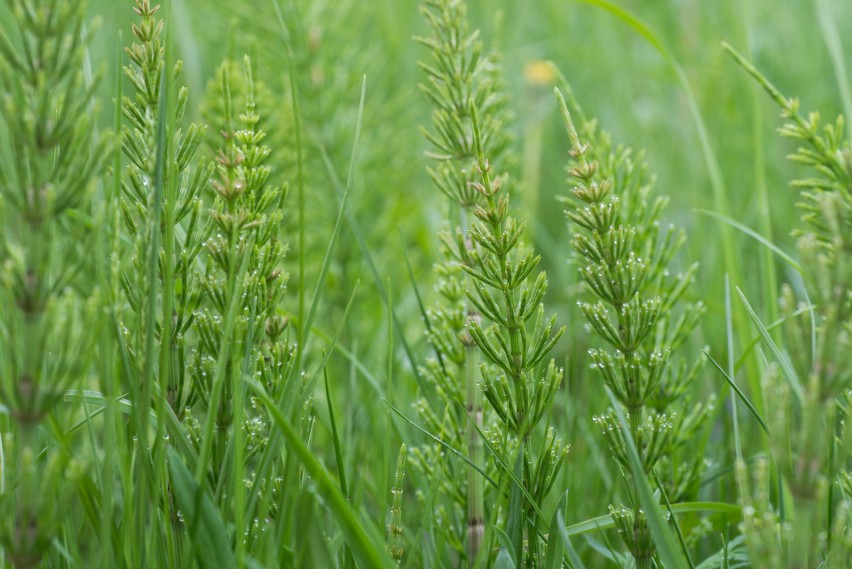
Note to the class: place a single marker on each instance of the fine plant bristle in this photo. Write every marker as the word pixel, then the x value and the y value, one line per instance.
pixel 214 213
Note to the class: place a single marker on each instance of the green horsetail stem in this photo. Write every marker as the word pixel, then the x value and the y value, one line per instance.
pixel 395 527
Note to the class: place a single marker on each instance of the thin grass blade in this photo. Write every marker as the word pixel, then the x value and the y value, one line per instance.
pixel 739 393
pixel 781 358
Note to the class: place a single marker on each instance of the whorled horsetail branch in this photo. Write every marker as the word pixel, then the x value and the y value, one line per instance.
pixel 517 379
pixel 639 311
pixel 244 256
pixel 181 225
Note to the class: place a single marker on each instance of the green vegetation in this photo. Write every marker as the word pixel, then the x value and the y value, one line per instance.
pixel 303 283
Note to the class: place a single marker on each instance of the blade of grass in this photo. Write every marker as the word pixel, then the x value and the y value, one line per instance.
pixel 318 289
pixel 809 308
pixel 421 306
pixel 236 284
pixel 576 562
pixel 341 470
pixel 352 358
pixel 300 185
pixel 732 554
pixel 678 532
pixel 507 554
pixel 555 547
pixel 720 194
pixel 311 383
pixel 355 227
pixel 338 453
pixel 444 444
pixel 755 235
pixel 744 19
pixel 515 515
pixel 605 521
pixel 387 451
pixel 142 501
pixel 739 392
pixel 785 364
pixel 290 401
pixel 109 382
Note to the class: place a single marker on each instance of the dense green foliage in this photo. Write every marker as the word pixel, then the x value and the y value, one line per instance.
pixel 327 283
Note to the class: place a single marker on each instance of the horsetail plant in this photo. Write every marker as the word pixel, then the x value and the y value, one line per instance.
pixel 458 72
pixel 51 157
pixel 245 214
pixel 469 140
pixel 161 214
pixel 182 228
pixel 244 274
pixel 639 311
pixel 516 381
pixel 810 378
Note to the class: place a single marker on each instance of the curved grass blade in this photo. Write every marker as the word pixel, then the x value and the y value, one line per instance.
pixel 355 227
pixel 338 224
pixel 732 555
pixel 834 45
pixel 352 358
pixel 555 548
pixel 576 562
pixel 338 453
pixel 443 444
pixel 755 235
pixel 311 383
pixel 720 194
pixel 605 521
pixel 515 516
pixel 809 308
pixel 559 546
pixel 683 546
pixel 422 307
pixel 785 364
pixel 506 556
